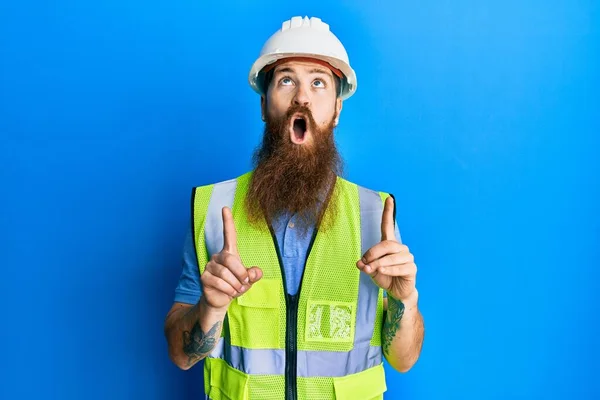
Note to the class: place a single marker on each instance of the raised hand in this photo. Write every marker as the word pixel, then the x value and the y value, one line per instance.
pixel 225 277
pixel 389 263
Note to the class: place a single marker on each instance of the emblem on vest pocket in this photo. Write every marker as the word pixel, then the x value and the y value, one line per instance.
pixel 330 321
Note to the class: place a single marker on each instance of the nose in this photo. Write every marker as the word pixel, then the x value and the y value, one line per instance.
pixel 302 97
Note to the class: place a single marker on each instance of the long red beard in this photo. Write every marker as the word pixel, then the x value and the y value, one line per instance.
pixel 295 179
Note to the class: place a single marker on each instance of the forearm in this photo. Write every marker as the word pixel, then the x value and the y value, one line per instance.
pixel 403 332
pixel 192 333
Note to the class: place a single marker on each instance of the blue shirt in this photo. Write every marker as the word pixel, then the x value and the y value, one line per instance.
pixel 293 247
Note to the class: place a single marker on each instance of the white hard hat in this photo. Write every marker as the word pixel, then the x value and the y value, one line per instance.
pixel 307 38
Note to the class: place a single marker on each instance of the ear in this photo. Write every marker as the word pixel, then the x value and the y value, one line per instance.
pixel 263 107
pixel 338 110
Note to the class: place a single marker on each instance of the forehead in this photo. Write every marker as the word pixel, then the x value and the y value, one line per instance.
pixel 303 67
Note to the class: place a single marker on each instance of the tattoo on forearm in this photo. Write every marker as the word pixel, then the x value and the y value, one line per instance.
pixel 197 344
pixel 391 324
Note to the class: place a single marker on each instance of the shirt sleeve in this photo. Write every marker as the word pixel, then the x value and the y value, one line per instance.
pixel 189 289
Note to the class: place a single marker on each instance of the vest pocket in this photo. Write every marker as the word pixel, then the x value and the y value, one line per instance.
pixel 226 383
pixel 366 385
pixel 262 294
pixel 255 318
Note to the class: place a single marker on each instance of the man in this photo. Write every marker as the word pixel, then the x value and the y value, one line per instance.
pixel 285 268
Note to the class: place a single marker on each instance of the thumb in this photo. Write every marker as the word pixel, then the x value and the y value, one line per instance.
pixel 254 274
pixel 387 220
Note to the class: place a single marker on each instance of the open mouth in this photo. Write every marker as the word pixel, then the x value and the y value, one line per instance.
pixel 298 130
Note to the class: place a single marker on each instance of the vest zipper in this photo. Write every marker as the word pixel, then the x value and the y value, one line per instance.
pixel 291 321
pixel 291 363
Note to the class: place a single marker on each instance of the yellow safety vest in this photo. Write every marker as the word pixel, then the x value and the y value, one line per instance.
pixel 322 343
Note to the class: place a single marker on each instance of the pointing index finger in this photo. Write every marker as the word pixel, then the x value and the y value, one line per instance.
pixel 387 220
pixel 229 233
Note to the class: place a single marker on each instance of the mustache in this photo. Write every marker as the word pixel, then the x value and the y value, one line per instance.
pixel 295 109
pixel 298 108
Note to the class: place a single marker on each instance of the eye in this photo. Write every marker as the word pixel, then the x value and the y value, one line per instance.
pixel 286 81
pixel 319 83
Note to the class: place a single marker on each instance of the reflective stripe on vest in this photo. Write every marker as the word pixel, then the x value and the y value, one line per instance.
pixel 310 363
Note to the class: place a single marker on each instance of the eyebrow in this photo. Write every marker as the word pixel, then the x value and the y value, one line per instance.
pixel 319 71
pixel 284 70
pixel 312 71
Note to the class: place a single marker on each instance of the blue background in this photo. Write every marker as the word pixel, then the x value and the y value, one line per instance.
pixel 483 119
